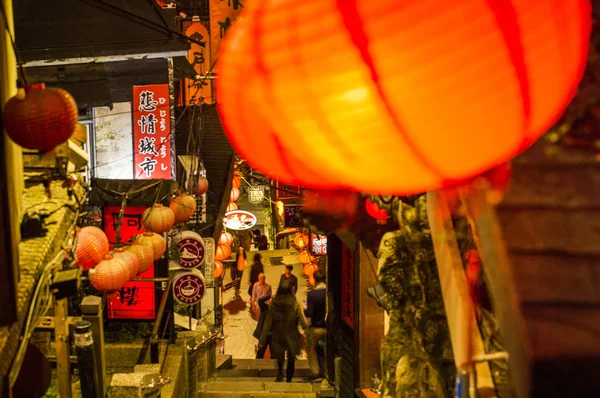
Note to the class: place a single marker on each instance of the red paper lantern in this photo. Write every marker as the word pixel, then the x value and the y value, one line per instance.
pixel 40 118
pixel 309 269
pixel 158 218
pixel 145 254
pixel 154 241
pixel 396 97
pixel 232 206
pixel 109 275
pixel 218 269
pixel 305 257
pixel 236 182
pixel 92 246
pixel 223 252
pixel 202 186
pixel 377 213
pixel 234 195
pixel 225 238
pixel 301 241
pixel 183 207
pixel 130 259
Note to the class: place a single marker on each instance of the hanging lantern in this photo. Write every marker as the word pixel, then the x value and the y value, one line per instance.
pixel 183 207
pixel 145 254
pixel 158 218
pixel 309 270
pixel 154 241
pixel 311 280
pixel 305 257
pixel 223 252
pixel 109 275
pixel 225 238
pixel 234 195
pixel 232 206
pixel 236 182
pixel 218 272
pixel 131 261
pixel 396 97
pixel 92 246
pixel 241 262
pixel 39 117
pixel 202 186
pixel 301 241
pixel 377 213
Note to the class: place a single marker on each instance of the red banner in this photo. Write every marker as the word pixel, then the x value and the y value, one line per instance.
pixel 198 92
pixel 347 307
pixel 151 132
pixel 137 299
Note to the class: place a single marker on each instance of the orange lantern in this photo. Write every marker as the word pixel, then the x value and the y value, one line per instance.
pixel 309 270
pixel 145 254
pixel 236 182
pixel 218 269
pixel 131 261
pixel 154 241
pixel 396 97
pixel 234 195
pixel 109 275
pixel 202 186
pixel 304 257
pixel 158 218
pixel 301 241
pixel 183 207
pixel 40 118
pixel 376 212
pixel 225 238
pixel 92 246
pixel 241 262
pixel 232 206
pixel 311 280
pixel 223 252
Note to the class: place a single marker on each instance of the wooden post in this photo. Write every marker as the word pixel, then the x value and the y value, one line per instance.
pixel 61 327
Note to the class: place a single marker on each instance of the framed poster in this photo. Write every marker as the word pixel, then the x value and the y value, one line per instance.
pixel 283 191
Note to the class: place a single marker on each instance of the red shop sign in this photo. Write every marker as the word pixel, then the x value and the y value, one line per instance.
pixel 152 132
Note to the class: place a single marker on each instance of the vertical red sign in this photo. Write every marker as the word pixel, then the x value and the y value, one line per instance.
pixel 137 299
pixel 347 307
pixel 152 132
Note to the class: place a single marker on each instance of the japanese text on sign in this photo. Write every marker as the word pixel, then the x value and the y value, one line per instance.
pixel 151 132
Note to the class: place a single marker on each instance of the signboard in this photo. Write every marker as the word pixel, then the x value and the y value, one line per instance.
pixel 347 307
pixel 189 287
pixel 137 299
pixel 151 132
pixel 319 245
pixel 190 247
pixel 287 191
pixel 256 194
pixel 198 92
pixel 291 216
pixel 222 15
pixel 209 261
pixel 239 220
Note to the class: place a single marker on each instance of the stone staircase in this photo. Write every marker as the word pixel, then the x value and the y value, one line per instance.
pixel 256 379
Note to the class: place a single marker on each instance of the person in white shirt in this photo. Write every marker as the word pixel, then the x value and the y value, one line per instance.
pixel 260 289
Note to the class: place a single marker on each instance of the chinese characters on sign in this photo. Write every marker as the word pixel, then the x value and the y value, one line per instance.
pixel 292 217
pixel 239 220
pixel 152 132
pixel 347 307
pixel 198 92
pixel 222 14
pixel 319 245
pixel 189 287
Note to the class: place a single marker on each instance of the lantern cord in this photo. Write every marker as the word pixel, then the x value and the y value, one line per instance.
pixel 120 220
pixel 14 46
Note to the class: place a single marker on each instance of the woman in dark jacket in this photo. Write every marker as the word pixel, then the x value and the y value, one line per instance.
pixel 282 322
pixel 257 268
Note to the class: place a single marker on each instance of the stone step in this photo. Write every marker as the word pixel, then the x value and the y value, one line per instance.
pixel 256 385
pixel 223 361
pixel 264 394
pixel 260 373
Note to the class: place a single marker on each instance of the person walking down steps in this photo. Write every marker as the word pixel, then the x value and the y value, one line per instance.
pixel 282 322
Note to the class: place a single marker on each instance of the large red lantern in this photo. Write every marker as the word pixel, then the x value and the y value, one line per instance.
pixel 158 218
pixel 109 275
pixel 376 212
pixel 92 246
pixel 183 207
pixel 40 118
pixel 396 97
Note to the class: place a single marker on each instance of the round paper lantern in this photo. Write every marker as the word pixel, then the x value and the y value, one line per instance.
pixel 225 238
pixel 145 254
pixel 236 182
pixel 309 269
pixel 92 246
pixel 218 269
pixel 40 118
pixel 223 252
pixel 232 206
pixel 109 275
pixel 130 259
pixel 396 97
pixel 301 241
pixel 304 257
pixel 234 195
pixel 183 207
pixel 158 218
pixel 202 186
pixel 377 213
pixel 154 241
